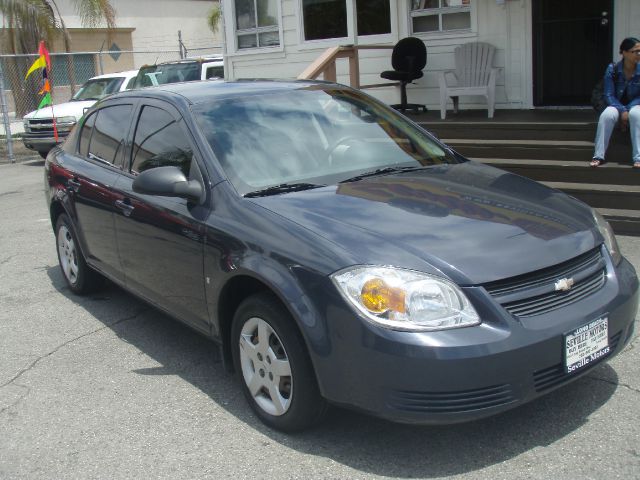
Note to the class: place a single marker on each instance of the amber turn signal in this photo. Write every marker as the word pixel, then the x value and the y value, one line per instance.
pixel 378 297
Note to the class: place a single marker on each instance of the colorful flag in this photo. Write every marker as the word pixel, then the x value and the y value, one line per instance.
pixel 43 62
pixel 46 100
pixel 46 87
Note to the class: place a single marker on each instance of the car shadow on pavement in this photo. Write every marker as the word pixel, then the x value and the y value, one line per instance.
pixel 38 162
pixel 358 441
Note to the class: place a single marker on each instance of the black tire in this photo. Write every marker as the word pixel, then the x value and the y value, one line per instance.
pixel 43 154
pixel 303 405
pixel 78 275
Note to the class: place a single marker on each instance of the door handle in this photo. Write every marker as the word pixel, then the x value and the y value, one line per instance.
pixel 73 184
pixel 126 207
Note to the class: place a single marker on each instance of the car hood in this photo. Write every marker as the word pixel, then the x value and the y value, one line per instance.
pixel 471 222
pixel 68 109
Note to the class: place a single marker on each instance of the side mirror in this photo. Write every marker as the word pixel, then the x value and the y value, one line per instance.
pixel 168 182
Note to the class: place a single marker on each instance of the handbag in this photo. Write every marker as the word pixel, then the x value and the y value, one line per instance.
pixel 597 94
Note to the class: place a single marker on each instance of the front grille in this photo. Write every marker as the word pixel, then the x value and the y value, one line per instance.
pixel 553 376
pixel 44 125
pixel 535 293
pixel 451 402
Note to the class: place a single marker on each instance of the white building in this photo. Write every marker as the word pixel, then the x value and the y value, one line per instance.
pixel 147 25
pixel 551 52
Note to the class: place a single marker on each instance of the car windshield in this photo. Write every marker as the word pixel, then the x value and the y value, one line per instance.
pixel 98 88
pixel 169 73
pixel 316 135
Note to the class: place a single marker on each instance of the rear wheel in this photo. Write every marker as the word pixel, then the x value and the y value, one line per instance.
pixel 274 367
pixel 80 278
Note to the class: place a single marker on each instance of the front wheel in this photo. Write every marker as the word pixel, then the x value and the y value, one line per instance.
pixel 79 276
pixel 274 367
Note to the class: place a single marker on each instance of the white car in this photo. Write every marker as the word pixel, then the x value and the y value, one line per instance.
pixel 38 125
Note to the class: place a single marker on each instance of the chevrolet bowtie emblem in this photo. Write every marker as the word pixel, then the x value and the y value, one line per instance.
pixel 564 284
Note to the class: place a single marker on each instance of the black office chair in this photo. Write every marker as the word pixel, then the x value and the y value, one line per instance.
pixel 408 59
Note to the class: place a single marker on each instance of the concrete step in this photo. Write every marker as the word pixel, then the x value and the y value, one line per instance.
pixel 567 171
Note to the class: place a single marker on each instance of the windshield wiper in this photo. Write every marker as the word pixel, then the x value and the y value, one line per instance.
pixel 283 188
pixel 381 171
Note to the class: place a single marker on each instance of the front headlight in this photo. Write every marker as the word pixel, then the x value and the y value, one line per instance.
pixel 65 124
pixel 405 300
pixel 609 237
pixel 66 119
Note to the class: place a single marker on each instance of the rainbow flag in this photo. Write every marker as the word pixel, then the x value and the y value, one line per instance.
pixel 43 62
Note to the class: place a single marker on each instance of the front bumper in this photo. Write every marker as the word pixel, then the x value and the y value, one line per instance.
pixel 42 142
pixel 468 373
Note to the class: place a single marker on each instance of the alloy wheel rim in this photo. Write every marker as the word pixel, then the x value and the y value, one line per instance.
pixel 67 254
pixel 265 367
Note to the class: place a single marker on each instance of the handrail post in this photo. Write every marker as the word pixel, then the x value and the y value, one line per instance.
pixel 329 73
pixel 354 68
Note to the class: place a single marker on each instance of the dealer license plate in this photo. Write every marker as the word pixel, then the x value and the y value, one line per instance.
pixel 586 344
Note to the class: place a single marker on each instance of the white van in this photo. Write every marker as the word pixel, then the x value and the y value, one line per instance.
pixel 38 125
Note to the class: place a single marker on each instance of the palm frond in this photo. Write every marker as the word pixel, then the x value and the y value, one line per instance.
pixel 93 12
pixel 29 21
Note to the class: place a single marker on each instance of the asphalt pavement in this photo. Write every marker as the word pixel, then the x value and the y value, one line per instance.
pixel 106 387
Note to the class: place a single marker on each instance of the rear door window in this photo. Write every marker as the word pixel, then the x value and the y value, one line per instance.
pixel 160 141
pixel 109 133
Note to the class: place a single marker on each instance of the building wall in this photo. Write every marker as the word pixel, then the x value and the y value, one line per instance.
pixel 154 26
pixel 505 24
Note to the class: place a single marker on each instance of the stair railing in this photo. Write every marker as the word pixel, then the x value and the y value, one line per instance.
pixel 325 65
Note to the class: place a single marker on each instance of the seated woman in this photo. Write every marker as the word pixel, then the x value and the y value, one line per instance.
pixel 622 94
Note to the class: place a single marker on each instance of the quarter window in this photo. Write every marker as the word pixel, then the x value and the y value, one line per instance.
pixel 215 72
pixel 85 135
pixel 325 19
pixel 160 142
pixel 257 23
pixel 109 131
pixel 440 15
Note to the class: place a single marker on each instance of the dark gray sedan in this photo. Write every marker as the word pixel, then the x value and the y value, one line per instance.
pixel 336 252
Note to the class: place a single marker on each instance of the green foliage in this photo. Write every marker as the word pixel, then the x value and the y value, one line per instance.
pixel 30 21
pixel 213 18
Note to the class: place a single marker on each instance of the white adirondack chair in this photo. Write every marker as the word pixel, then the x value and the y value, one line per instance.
pixel 473 75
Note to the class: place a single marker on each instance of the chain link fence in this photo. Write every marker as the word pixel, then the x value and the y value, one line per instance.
pixel 69 71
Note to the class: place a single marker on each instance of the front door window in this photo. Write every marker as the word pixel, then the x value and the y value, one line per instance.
pixel 326 19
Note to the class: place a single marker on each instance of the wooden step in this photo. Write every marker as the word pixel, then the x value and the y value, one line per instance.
pixel 624 222
pixel 568 150
pixel 579 150
pixel 567 170
pixel 513 130
pixel 621 197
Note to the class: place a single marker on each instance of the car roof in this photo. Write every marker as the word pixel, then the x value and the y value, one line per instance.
pixel 202 91
pixel 126 74
pixel 187 61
